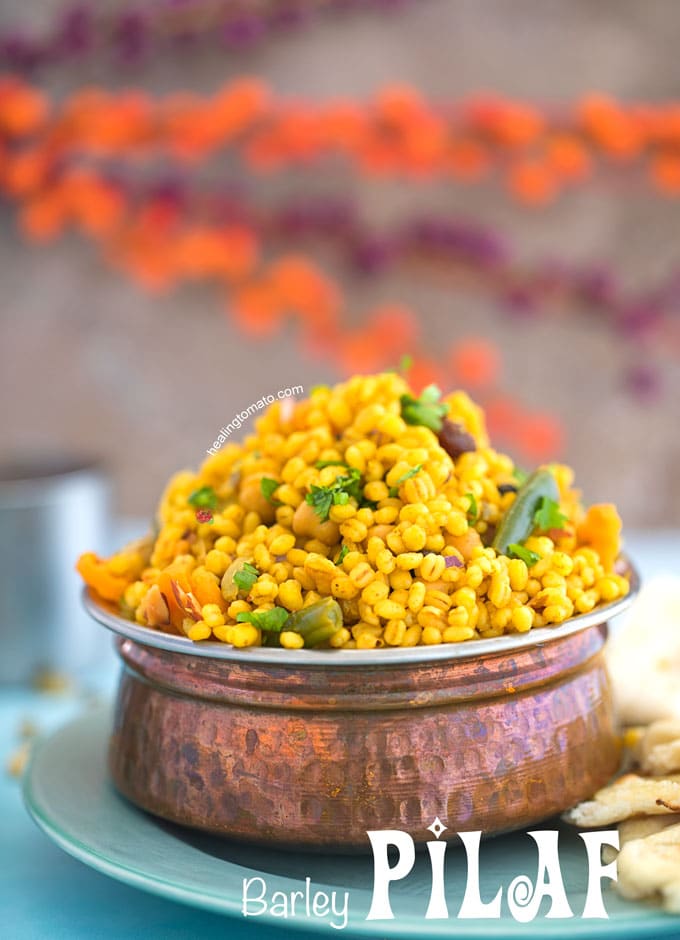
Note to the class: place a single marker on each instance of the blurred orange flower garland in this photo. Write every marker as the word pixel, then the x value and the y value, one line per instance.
pixel 536 154
pixel 154 245
pixel 48 164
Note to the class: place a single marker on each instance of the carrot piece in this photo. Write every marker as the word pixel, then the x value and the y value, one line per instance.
pixel 206 588
pixel 601 530
pixel 95 574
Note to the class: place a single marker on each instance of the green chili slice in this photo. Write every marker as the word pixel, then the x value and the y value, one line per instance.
pixel 317 622
pixel 518 522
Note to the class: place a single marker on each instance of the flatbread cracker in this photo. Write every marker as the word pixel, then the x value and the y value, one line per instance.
pixel 658 750
pixel 650 868
pixel 638 828
pixel 629 796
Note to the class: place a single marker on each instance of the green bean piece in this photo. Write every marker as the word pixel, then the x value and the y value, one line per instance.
pixel 318 617
pixel 518 522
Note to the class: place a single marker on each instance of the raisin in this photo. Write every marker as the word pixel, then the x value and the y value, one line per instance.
pixel 455 439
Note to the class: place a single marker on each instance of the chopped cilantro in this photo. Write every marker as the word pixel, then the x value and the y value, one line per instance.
pixel 338 493
pixel 409 473
pixel 548 515
pixel 246 576
pixel 320 464
pixel 426 410
pixel 341 557
pixel 405 364
pixel 272 621
pixel 203 498
pixel 520 475
pixel 519 551
pixel 320 499
pixel 268 486
pixel 473 510
pixel 394 490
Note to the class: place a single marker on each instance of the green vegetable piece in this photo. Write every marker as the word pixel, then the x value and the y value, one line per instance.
pixel 268 486
pixel 405 364
pixel 338 493
pixel 320 464
pixel 125 609
pixel 520 475
pixel 271 621
pixel 519 551
pixel 548 515
pixel 246 576
pixel 318 621
pixel 394 490
pixel 473 511
pixel 518 522
pixel 409 473
pixel 426 410
pixel 320 636
pixel 204 498
pixel 319 388
pixel 341 557
pixel 320 498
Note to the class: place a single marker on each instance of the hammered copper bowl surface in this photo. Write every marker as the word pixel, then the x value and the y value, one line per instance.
pixel 313 755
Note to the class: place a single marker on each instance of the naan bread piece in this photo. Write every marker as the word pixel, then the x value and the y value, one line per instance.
pixel 658 750
pixel 640 828
pixel 650 868
pixel 643 655
pixel 630 795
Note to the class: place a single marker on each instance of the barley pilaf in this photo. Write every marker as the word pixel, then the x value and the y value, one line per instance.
pixel 365 517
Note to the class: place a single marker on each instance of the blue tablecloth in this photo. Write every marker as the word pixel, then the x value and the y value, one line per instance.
pixel 46 895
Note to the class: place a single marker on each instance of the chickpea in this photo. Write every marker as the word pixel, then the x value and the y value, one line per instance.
pixel 306 522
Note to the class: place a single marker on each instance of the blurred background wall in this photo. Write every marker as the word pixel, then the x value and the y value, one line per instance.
pixel 90 362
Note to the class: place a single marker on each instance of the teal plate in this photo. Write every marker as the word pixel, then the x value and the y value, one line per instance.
pixel 68 794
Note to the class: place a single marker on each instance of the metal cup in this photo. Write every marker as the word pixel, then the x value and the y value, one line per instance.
pixel 50 511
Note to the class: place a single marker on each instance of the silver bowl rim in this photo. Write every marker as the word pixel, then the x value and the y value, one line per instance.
pixel 443 652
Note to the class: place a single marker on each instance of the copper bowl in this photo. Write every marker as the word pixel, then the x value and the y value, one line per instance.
pixel 305 748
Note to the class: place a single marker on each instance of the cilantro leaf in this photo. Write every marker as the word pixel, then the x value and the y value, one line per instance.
pixel 548 515
pixel 473 511
pixel 338 493
pixel 267 487
pixel 203 498
pixel 320 498
pixel 246 576
pixel 405 364
pixel 341 557
pixel 394 490
pixel 320 464
pixel 409 473
pixel 272 621
pixel 426 410
pixel 519 551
